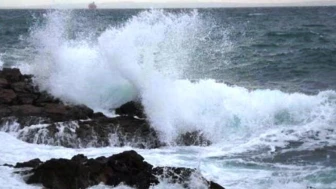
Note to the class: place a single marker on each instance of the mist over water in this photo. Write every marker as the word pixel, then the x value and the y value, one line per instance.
pixel 265 131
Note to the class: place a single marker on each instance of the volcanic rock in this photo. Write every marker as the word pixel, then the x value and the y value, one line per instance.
pixel 127 167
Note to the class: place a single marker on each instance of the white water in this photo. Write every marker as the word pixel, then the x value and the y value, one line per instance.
pixel 147 58
pixel 233 176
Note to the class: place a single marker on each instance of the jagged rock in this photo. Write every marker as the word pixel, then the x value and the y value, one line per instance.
pixel 11 74
pixel 131 109
pixel 195 138
pixel 44 97
pixel 22 103
pixel 7 96
pixel 127 167
pixel 123 130
pixel 32 163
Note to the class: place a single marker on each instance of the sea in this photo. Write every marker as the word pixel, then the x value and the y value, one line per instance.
pixel 259 83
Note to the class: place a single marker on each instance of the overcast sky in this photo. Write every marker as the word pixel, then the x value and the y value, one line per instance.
pixel 123 3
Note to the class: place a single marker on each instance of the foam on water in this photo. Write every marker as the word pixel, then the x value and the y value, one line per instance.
pixel 148 57
pixel 238 175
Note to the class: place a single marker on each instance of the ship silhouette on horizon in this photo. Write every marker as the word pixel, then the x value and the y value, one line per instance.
pixel 92 6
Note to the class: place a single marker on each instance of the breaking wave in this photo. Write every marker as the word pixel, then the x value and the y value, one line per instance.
pixel 150 57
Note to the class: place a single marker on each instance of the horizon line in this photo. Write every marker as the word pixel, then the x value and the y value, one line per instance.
pixel 173 5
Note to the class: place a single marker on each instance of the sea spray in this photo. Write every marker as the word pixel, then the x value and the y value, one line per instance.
pixel 148 58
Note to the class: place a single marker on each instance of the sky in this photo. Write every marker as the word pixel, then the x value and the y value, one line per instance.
pixel 161 3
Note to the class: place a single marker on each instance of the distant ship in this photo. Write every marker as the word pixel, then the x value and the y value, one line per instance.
pixel 92 5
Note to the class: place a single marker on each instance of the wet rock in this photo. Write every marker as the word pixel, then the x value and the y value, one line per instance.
pixel 32 163
pixel 7 96
pixel 61 174
pixel 119 131
pixel 127 167
pixel 131 109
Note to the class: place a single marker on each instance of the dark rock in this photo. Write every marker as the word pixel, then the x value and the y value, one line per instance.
pixel 11 74
pixel 22 87
pixel 98 115
pixel 26 110
pixel 7 165
pixel 122 131
pixel 131 109
pixel 4 111
pixel 44 97
pixel 213 185
pixel 79 112
pixel 7 96
pixel 32 163
pixel 127 167
pixel 3 83
pixel 26 98
pixel 80 158
pixel 195 138
pixel 61 174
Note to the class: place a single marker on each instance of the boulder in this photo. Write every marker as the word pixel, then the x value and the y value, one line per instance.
pixel 129 168
pixel 131 109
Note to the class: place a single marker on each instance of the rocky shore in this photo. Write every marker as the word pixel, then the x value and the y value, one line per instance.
pixel 128 168
pixel 35 116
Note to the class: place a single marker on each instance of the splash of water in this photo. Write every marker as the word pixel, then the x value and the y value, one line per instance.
pixel 148 58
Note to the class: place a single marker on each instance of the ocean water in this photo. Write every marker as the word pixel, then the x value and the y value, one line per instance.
pixel 259 83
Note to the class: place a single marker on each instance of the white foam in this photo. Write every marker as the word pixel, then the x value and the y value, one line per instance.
pixel 147 58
